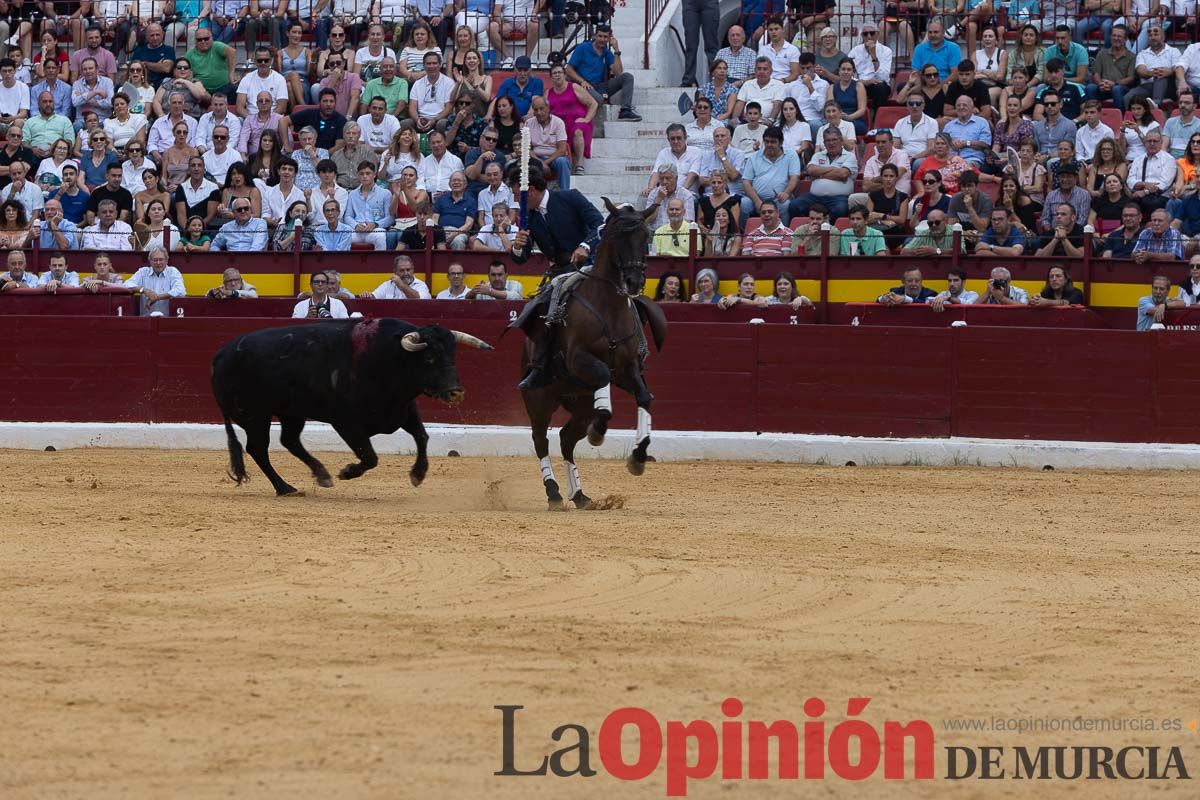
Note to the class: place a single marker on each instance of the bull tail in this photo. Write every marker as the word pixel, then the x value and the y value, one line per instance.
pixel 237 461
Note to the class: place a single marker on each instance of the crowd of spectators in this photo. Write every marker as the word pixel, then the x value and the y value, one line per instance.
pixel 249 126
pixel 1021 148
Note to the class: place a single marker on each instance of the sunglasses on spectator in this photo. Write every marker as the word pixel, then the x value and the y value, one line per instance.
pixel 1051 102
pixel 262 61
pixel 936 221
pixel 929 181
pixel 242 208
pixel 489 138
pixel 930 74
pixel 182 66
pixel 135 69
pixel 133 150
pixel 219 138
pixel 334 33
pixel 203 38
pixel 915 103
pixel 870 33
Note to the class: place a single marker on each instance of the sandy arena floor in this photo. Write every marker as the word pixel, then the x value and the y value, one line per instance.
pixel 166 634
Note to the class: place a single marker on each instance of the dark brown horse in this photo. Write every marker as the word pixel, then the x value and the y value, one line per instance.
pixel 600 345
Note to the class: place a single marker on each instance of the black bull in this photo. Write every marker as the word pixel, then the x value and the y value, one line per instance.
pixel 362 377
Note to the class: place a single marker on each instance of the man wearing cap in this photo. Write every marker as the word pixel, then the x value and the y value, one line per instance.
pixel 937 51
pixel 521 88
pixel 1070 192
pixel 590 65
pixel 873 65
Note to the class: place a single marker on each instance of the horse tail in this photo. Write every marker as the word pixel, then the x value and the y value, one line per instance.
pixel 237 462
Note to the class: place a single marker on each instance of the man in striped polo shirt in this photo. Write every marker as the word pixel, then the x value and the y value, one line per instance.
pixel 772 238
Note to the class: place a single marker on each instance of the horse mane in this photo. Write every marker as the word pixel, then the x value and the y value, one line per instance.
pixel 625 222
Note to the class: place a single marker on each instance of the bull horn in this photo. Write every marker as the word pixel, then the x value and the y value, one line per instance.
pixel 412 342
pixel 470 341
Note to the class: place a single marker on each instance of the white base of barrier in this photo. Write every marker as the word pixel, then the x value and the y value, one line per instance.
pixel 495 440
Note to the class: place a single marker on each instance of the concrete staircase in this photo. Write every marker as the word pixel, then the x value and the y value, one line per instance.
pixel 624 152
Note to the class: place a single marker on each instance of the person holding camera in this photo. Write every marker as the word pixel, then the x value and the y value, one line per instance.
pixel 320 305
pixel 1001 292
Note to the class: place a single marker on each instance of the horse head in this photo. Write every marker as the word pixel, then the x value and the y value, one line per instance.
pixel 624 243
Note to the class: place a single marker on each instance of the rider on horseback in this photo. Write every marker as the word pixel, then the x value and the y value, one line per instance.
pixel 566 228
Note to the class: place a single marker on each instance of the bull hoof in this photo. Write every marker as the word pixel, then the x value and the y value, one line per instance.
pixel 581 500
pixel 634 466
pixel 324 481
pixel 289 492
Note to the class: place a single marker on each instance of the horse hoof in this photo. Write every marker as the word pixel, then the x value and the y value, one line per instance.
pixel 289 492
pixel 324 481
pixel 595 438
pixel 581 500
pixel 635 467
pixel 555 505
pixel 349 472
pixel 416 479
pixel 553 495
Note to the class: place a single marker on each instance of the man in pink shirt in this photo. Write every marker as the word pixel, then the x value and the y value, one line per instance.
pixel 345 84
pixel 106 62
pixel 548 141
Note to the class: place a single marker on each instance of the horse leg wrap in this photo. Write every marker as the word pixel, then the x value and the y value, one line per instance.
pixel 603 400
pixel 547 470
pixel 573 484
pixel 643 425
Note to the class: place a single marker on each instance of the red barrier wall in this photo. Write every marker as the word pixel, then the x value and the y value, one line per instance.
pixel 876 381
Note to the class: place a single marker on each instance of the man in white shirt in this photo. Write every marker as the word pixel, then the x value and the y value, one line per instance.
pixel 1190 61
pixel 276 200
pixel 14 95
pixel 669 187
pixel 498 286
pixel 377 126
pixel 158 283
pixel 109 233
pixel 915 133
pixel 436 168
pixel 873 65
pixel 320 305
pixel 495 192
pixel 161 132
pixel 457 290
pixel 27 194
pixel 1159 69
pixel 497 234
pixel 1152 175
pixel 1091 132
pixel 685 159
pixel 762 89
pixel 723 158
pixel 263 79
pixel 429 103
pixel 783 55
pixel 402 285
pixel 218 114
pixel 808 90
pixel 221 157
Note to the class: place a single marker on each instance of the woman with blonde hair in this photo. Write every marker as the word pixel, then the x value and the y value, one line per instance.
pixel 404 151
